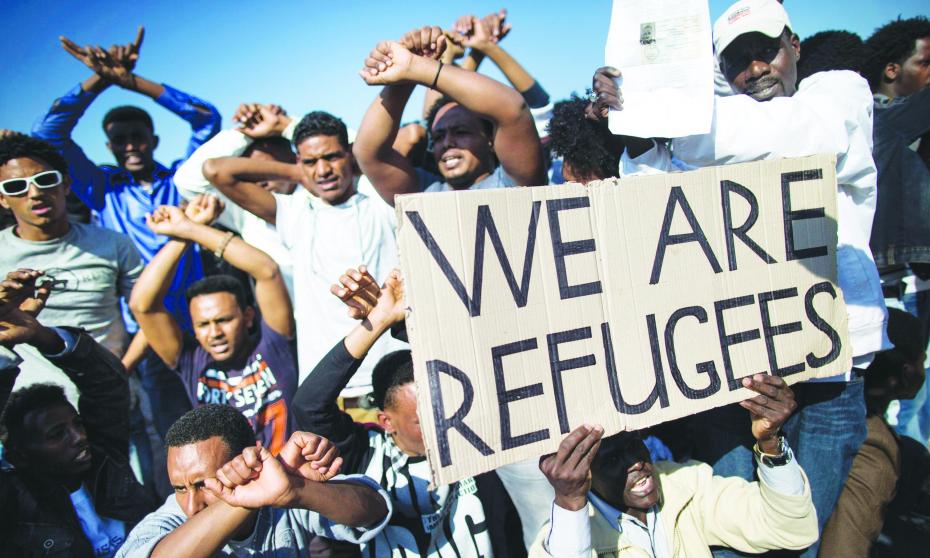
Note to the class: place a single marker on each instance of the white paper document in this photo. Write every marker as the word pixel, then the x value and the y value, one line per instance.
pixel 665 52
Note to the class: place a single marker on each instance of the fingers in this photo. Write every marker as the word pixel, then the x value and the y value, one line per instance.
pixel 775 401
pixel 334 468
pixel 577 444
pixel 568 468
pixel 773 387
pixel 241 469
pixel 140 35
pixel 72 48
pixel 358 284
pixel 218 488
pixel 35 304
pixel 305 449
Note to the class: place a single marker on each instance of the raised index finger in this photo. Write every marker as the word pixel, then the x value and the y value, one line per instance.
pixel 140 34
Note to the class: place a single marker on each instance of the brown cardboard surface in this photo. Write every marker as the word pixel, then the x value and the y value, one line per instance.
pixel 579 337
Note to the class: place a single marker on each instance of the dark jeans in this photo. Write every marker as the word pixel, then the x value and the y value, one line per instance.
pixel 166 393
pixel 825 433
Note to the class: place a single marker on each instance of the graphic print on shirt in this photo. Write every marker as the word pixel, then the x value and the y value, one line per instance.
pixel 255 393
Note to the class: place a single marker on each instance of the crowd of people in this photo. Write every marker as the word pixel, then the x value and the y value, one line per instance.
pixel 210 358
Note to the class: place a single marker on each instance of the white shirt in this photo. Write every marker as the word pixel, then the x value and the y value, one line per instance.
pixel 324 241
pixel 830 113
pixel 570 531
pixel 191 182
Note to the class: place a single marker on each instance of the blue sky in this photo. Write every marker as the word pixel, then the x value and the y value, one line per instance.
pixel 304 54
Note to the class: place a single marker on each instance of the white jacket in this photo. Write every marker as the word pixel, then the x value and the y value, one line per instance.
pixel 830 113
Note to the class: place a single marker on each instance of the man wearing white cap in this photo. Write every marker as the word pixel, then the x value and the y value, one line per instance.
pixel 769 117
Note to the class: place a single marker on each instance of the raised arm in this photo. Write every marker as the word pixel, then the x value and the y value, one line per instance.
pixel 351 509
pixel 270 291
pixel 238 177
pixel 148 296
pixel 516 142
pixel 300 477
pixel 256 122
pixel 485 38
pixel 116 66
pixel 97 373
pixel 314 405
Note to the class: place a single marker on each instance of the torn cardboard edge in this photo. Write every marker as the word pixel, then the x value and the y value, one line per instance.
pixel 625 303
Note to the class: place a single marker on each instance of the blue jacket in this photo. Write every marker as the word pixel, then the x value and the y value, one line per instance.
pixel 117 199
pixel 901 229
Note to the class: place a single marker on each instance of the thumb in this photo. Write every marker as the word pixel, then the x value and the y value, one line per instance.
pixel 612 72
pixel 212 485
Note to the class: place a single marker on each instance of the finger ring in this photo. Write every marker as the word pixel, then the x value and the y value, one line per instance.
pixel 592 97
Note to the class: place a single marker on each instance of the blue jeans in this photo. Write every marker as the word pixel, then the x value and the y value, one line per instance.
pixel 167 395
pixel 825 433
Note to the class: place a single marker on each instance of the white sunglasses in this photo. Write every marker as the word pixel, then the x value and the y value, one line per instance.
pixel 19 186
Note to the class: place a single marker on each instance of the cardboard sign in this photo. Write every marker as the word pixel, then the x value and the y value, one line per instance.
pixel 624 303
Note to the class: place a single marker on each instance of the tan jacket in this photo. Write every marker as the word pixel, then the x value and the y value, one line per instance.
pixel 700 510
pixel 859 515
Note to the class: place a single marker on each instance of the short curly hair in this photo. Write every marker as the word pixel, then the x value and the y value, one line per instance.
pixel 893 42
pixel 441 102
pixel 318 123
pixel 221 283
pixel 582 144
pixel 209 421
pixel 19 146
pixel 831 50
pixel 24 401
pixel 394 370
pixel 128 113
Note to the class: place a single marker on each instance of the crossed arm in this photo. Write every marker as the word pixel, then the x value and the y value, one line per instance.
pixel 401 66
pixel 295 479
pixel 147 301
pixel 237 178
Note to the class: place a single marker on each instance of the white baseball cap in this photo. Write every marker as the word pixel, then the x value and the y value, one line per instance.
pixel 750 16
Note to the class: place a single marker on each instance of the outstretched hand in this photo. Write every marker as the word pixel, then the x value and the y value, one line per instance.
pixel 114 65
pixel 569 469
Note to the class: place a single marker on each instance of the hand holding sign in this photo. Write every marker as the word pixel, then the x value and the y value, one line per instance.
pixel 569 470
pixel 770 409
